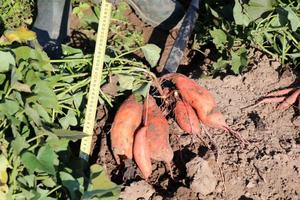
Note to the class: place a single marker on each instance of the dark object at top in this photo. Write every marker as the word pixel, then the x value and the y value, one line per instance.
pixel 180 43
pixel 52 25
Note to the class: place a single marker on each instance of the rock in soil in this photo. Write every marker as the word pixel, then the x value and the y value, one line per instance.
pixel 184 193
pixel 137 190
pixel 203 180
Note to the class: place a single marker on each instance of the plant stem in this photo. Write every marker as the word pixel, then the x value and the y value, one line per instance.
pixel 36 137
pixel 53 190
pixel 71 60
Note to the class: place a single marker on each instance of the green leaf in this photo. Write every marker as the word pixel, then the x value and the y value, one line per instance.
pixel 45 160
pixel 33 115
pixel 32 77
pixel 255 8
pixel 42 112
pixel 24 53
pixel 126 81
pixel 48 159
pixel 7 61
pixel 28 180
pixel 41 194
pixel 57 144
pixel 49 182
pixel 101 187
pixel 252 10
pixel 240 17
pixel 9 107
pixel 18 144
pixel 21 87
pixel 68 120
pixel 219 37
pixel 36 58
pixel 30 161
pixel 71 135
pixel 239 60
pixel 2 78
pixel 45 95
pixel 258 38
pixel 71 52
pixel 220 64
pixel 99 178
pixel 120 12
pixel 69 182
pixel 294 19
pixel 77 98
pixel 151 53
pixel 142 90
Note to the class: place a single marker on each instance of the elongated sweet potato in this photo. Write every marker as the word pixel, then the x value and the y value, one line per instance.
pixel 141 152
pixel 217 120
pixel 127 120
pixel 202 101
pixel 198 97
pixel 158 132
pixel 186 117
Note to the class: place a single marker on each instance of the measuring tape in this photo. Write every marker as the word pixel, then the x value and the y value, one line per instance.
pixel 88 127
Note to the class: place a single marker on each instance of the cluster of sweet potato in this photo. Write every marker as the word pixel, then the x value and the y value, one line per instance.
pixel 140 130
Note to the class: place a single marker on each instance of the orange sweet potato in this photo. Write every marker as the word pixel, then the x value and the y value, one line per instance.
pixel 141 152
pixel 158 132
pixel 127 120
pixel 217 120
pixel 186 117
pixel 198 97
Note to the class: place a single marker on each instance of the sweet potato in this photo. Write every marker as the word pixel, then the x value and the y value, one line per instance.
pixel 198 97
pixel 217 120
pixel 141 152
pixel 289 100
pixel 127 120
pixel 158 132
pixel 186 117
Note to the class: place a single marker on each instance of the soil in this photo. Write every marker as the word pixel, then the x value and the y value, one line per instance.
pixel 268 168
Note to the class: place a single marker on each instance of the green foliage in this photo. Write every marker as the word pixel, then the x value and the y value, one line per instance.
pixel 238 60
pixel 245 13
pixel 15 13
pixel 42 111
pixel 36 99
pixel 152 54
pixel 271 26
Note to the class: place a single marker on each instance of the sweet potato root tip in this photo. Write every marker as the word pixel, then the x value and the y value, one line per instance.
pixel 238 136
pixel 186 117
pixel 141 152
pixel 127 119
pixel 169 167
pixel 278 97
pixel 280 92
pixel 158 132
pixel 272 100
pixel 264 101
pixel 217 120
pixel 289 100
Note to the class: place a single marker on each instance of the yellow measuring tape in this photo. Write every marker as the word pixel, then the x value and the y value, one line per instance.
pixel 93 96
